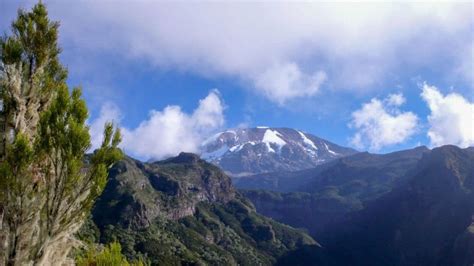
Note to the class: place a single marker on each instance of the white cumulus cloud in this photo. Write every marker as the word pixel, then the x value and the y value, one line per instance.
pixel 451 120
pixel 396 99
pixel 381 123
pixel 283 82
pixel 167 132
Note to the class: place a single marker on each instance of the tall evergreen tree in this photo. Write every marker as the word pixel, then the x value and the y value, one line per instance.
pixel 47 183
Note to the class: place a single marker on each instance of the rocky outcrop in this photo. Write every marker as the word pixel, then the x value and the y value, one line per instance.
pixel 139 192
pixel 185 211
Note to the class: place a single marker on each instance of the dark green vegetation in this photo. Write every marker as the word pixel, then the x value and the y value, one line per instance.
pixel 185 211
pixel 45 190
pixel 109 255
pixel 421 213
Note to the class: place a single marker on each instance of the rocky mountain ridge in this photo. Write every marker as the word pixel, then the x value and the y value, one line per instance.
pixel 185 211
pixel 143 190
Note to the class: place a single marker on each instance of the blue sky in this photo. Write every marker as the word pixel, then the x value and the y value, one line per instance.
pixel 309 67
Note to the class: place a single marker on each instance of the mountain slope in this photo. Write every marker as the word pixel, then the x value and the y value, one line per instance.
pixel 259 150
pixel 427 221
pixel 323 195
pixel 185 211
pixel 379 168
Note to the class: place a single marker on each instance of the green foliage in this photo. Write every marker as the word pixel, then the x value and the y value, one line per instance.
pixel 16 177
pixel 46 189
pixel 19 157
pixel 111 255
pixel 34 43
pixel 89 232
pixel 147 208
pixel 218 234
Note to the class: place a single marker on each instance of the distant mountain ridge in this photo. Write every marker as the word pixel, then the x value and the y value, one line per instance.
pixel 346 169
pixel 426 221
pixel 328 192
pixel 412 207
pixel 246 151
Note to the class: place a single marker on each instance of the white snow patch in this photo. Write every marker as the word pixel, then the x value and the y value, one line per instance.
pixel 272 136
pixel 239 147
pixel 307 141
pixel 235 148
pixel 329 150
pixel 308 145
pixel 262 127
pixel 269 148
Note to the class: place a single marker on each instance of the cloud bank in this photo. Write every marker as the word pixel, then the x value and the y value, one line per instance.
pixel 451 119
pixel 167 132
pixel 282 51
pixel 281 83
pixel 382 123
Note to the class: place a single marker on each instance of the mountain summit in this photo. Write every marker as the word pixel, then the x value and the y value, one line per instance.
pixel 246 151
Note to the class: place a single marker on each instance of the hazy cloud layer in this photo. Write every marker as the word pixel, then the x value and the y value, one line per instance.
pixel 283 50
pixel 381 123
pixel 167 132
pixel 451 120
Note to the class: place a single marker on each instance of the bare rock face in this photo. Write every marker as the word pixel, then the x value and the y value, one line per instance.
pixel 248 151
pixel 137 192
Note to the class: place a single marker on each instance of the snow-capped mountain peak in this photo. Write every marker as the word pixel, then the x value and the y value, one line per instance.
pixel 264 149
